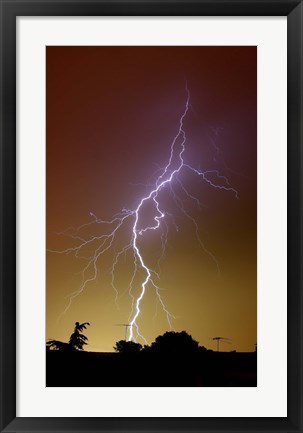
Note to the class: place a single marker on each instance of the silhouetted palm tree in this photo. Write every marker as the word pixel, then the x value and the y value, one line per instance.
pixel 76 341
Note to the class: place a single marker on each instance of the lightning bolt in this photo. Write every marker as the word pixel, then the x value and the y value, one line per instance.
pixel 93 248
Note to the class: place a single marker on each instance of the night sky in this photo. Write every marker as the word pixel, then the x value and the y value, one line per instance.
pixel 111 116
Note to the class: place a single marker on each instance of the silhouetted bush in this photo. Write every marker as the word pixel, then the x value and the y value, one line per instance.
pixel 58 345
pixel 175 343
pixel 127 347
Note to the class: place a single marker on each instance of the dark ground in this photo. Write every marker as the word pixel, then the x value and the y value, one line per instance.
pixel 145 369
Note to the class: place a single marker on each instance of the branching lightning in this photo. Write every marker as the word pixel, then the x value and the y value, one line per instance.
pixel 92 249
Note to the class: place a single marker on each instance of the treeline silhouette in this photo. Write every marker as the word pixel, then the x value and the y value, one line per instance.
pixel 173 359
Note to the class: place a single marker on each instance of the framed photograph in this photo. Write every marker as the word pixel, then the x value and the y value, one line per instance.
pixel 151 216
pixel 141 310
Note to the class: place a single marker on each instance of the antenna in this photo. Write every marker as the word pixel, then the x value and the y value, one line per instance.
pixel 126 325
pixel 223 339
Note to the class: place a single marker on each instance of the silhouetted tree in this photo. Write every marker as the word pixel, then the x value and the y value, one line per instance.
pixel 202 349
pixel 76 341
pixel 175 342
pixel 58 345
pixel 127 347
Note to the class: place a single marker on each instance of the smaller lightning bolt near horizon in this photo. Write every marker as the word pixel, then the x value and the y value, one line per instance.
pixel 94 248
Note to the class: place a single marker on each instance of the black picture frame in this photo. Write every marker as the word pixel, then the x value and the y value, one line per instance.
pixel 10 9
